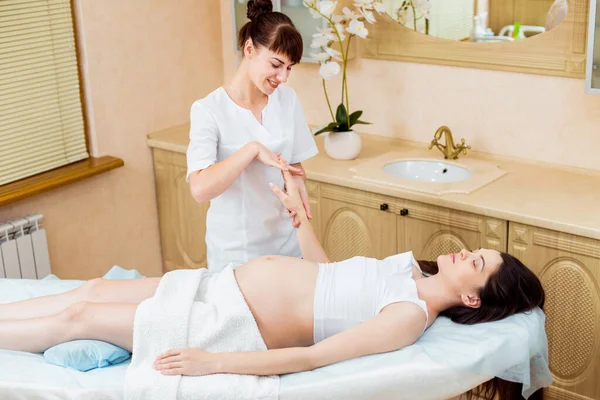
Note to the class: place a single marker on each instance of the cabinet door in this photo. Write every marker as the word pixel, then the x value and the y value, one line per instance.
pixel 182 220
pixel 357 223
pixel 569 268
pixel 429 231
pixel 314 197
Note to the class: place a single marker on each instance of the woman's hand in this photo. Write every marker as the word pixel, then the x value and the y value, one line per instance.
pixel 299 181
pixel 186 362
pixel 269 158
pixel 291 199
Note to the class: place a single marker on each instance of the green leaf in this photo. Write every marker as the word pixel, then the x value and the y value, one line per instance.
pixel 340 114
pixel 329 128
pixel 354 117
pixel 362 122
pixel 341 128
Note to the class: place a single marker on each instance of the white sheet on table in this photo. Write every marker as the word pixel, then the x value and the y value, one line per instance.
pixel 405 374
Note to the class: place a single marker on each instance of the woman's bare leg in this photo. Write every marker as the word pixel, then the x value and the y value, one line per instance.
pixel 132 291
pixel 109 322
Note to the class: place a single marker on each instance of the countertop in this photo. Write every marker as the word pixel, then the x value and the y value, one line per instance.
pixel 539 194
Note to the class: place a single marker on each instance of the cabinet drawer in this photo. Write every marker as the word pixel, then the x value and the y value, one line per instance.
pixel 359 198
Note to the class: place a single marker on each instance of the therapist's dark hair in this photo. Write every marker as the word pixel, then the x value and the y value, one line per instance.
pixel 512 289
pixel 272 30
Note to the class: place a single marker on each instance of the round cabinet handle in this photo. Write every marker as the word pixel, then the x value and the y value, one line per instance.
pixel 384 206
pixel 404 212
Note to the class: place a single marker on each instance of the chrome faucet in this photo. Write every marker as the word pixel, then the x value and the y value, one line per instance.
pixel 450 150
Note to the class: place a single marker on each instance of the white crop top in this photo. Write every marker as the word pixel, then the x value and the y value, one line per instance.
pixel 352 291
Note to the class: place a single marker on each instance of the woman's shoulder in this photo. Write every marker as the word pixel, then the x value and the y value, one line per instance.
pixel 211 102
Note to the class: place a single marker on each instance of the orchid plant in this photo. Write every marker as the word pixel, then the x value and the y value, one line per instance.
pixel 349 24
pixel 415 14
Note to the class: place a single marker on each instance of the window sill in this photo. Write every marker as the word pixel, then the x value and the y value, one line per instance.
pixel 58 177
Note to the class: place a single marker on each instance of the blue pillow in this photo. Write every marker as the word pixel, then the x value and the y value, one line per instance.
pixel 84 355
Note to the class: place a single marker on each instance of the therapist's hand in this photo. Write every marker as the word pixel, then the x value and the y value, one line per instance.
pixel 269 158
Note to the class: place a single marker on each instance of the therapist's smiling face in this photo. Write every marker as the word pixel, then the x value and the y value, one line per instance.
pixel 467 272
pixel 269 69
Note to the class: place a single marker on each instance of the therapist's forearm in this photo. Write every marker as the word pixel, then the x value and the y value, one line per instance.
pixel 309 244
pixel 209 183
pixel 267 362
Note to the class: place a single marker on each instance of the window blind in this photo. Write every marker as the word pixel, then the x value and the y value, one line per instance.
pixel 41 117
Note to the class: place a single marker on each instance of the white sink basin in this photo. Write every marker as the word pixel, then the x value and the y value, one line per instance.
pixel 427 171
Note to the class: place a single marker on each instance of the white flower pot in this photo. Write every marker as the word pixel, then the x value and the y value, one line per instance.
pixel 342 145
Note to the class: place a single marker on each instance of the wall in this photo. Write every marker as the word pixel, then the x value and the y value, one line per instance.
pixel 535 117
pixel 144 62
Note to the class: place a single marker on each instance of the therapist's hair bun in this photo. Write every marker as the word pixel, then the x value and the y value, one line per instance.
pixel 272 30
pixel 257 8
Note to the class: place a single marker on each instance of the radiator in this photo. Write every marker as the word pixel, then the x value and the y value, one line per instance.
pixel 24 248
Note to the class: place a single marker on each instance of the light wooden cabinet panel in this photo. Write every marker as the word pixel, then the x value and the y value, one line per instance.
pixel 356 223
pixel 182 220
pixel 429 231
pixel 569 268
pixel 314 197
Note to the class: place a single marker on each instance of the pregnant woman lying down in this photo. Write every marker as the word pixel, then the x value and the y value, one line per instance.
pixel 310 312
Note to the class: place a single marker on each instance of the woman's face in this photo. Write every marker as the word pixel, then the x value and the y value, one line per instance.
pixel 267 69
pixel 467 272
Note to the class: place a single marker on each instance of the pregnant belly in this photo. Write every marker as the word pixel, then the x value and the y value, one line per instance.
pixel 280 293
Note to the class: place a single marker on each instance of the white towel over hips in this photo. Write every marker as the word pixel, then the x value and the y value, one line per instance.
pixel 196 309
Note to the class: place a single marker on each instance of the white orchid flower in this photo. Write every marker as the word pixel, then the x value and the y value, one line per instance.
pixel 319 41
pixel 321 57
pixel 379 7
pixel 368 4
pixel 337 19
pixel 329 69
pixel 314 13
pixel 369 17
pixel 340 29
pixel 357 28
pixel 325 32
pixel 333 53
pixel 403 14
pixel 423 6
pixel 327 7
pixel 349 14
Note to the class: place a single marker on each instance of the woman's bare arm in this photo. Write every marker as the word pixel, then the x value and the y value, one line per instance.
pixel 210 182
pixel 309 244
pixel 396 326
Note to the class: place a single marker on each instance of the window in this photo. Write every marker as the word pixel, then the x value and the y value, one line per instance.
pixel 41 116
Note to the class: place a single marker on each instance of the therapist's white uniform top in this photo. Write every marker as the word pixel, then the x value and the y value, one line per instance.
pixel 248 220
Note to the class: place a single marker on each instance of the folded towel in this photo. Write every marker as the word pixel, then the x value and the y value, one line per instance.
pixel 196 309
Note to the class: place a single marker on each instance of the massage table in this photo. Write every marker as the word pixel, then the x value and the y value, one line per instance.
pixel 409 373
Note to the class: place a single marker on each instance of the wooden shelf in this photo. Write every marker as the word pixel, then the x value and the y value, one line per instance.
pixel 58 177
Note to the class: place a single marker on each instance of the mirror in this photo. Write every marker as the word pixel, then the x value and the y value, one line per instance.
pixel 561 51
pixel 593 61
pixel 478 20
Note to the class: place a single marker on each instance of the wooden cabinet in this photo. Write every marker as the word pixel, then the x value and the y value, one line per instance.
pixel 182 220
pixel 430 231
pixel 356 223
pixel 314 196
pixel 569 268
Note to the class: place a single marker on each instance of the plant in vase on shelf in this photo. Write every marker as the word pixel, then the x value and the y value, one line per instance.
pixel 341 142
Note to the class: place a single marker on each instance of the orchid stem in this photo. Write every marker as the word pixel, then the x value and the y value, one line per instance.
pixel 327 98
